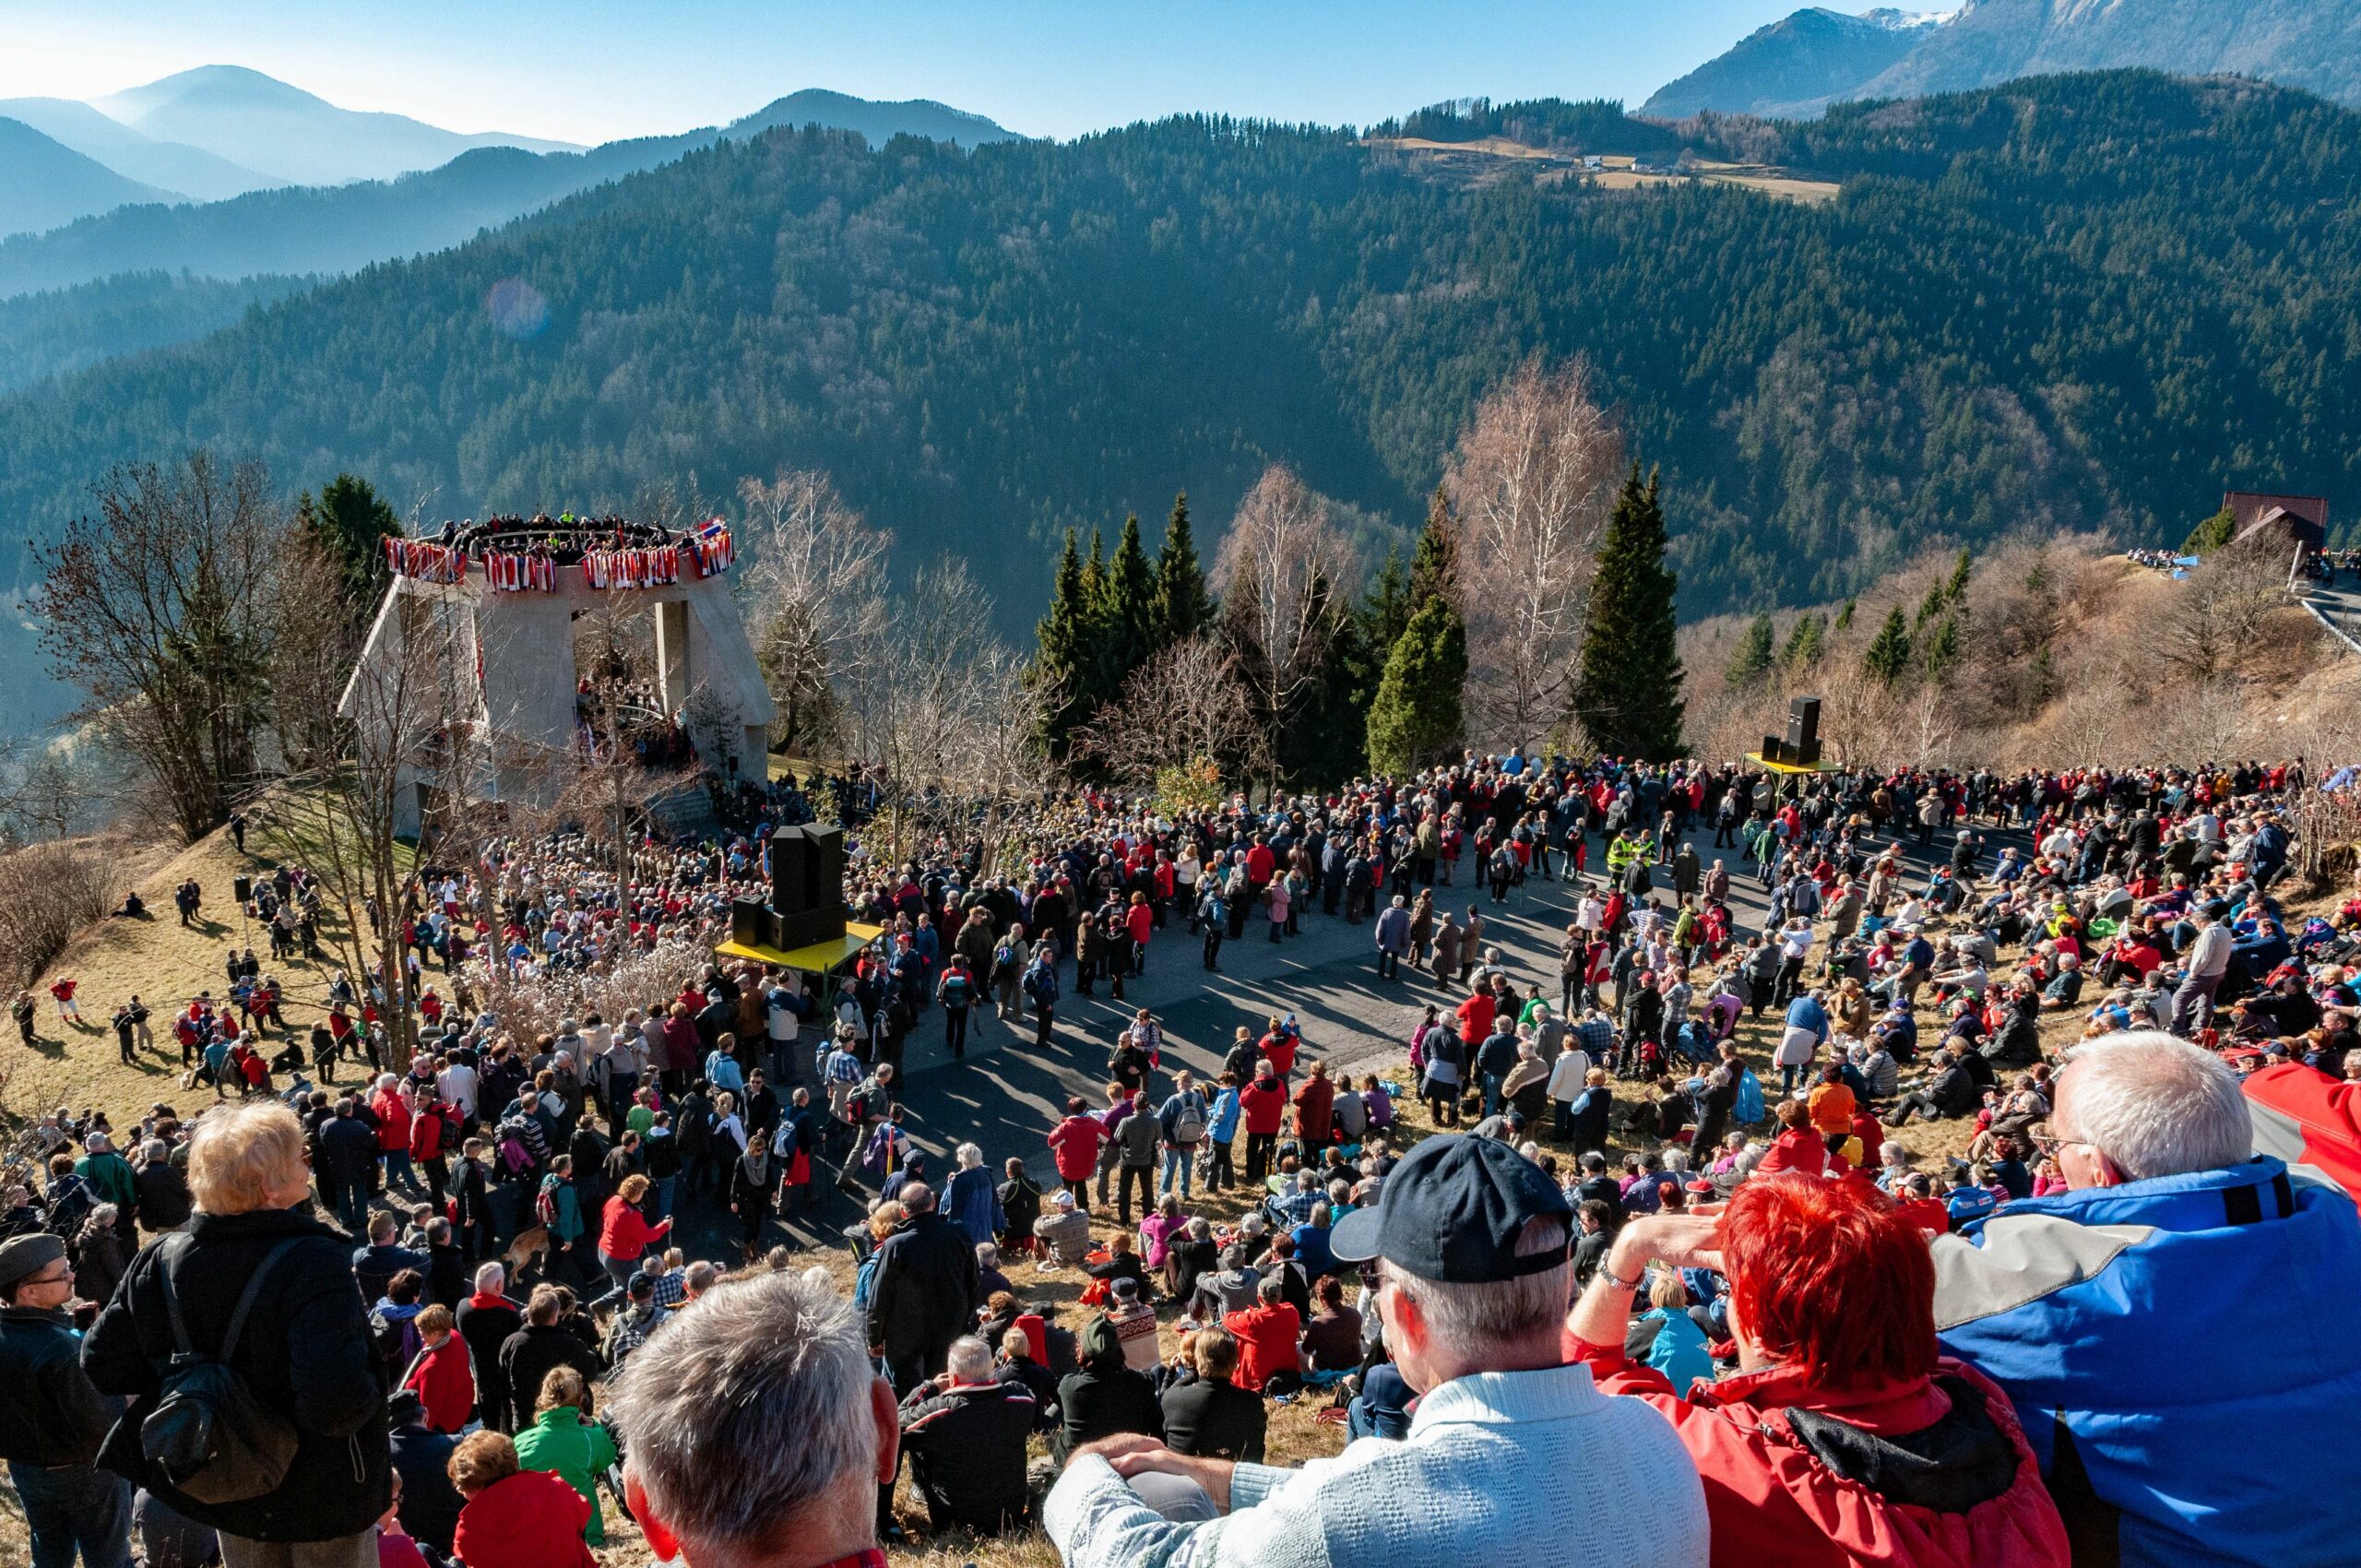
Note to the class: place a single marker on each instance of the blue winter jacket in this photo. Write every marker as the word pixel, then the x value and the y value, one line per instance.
pixel 971 1202
pixel 2174 1427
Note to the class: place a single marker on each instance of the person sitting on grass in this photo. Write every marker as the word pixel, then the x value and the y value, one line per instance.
pixel 515 1517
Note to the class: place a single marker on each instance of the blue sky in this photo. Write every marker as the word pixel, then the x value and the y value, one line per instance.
pixel 593 70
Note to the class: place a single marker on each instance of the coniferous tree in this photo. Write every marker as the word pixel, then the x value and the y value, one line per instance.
pixel 1064 636
pixel 353 522
pixel 1942 652
pixel 1385 612
pixel 1130 606
pixel 1629 696
pixel 1888 656
pixel 1930 607
pixel 2212 534
pixel 1956 589
pixel 1806 643
pixel 1844 617
pixel 1434 569
pixel 1414 717
pixel 1757 652
pixel 1184 605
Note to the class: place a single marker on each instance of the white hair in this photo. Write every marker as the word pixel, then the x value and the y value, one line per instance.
pixel 2154 1105
pixel 490 1277
pixel 970 1156
pixel 970 1360
pixel 747 1412
pixel 1473 1322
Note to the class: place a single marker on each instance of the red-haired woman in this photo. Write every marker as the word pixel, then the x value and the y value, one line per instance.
pixel 1844 1439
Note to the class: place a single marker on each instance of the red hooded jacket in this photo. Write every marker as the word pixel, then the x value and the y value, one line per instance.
pixel 1264 1103
pixel 1772 1497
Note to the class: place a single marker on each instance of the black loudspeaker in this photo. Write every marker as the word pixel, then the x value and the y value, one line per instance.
pixel 807 884
pixel 751 924
pixel 1803 732
pixel 242 888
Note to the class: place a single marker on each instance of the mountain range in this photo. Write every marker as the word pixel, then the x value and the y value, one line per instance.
pixel 2087 303
pixel 222 132
pixel 1815 57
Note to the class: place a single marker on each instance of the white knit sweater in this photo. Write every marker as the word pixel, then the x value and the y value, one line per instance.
pixel 1538 1469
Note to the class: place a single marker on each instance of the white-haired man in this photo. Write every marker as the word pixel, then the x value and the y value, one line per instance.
pixel 1512 1456
pixel 2121 1316
pixel 756 1432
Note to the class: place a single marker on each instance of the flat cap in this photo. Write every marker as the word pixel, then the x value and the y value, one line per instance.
pixel 21 1257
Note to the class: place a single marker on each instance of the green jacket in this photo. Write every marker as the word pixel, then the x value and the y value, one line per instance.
pixel 110 1176
pixel 576 1452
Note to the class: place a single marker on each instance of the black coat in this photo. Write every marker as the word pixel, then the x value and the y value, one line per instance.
pixel 925 1292
pixel 529 1356
pixel 305 1352
pixel 50 1412
pixel 966 1449
pixel 1214 1420
pixel 164 1196
pixel 1092 1404
pixel 431 1504
pixel 348 1149
pixel 487 1326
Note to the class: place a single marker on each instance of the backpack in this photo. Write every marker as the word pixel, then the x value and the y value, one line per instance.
pixel 209 1434
pixel 1189 1123
pixel 1004 960
pixel 545 1205
pixel 449 1142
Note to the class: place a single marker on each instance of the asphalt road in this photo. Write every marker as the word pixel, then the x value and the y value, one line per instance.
pixel 1005 1096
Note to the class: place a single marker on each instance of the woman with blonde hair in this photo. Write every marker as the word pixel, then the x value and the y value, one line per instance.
pixel 303 1349
pixel 566 1440
pixel 625 1234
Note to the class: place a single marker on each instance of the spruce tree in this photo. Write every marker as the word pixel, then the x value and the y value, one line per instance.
pixel 2212 534
pixel 1757 652
pixel 1064 635
pixel 1184 605
pixel 1956 589
pixel 1434 569
pixel 1414 717
pixel 1385 609
pixel 1131 606
pixel 1627 696
pixel 1888 657
pixel 1940 654
pixel 1805 643
pixel 352 523
pixel 1930 607
pixel 1844 617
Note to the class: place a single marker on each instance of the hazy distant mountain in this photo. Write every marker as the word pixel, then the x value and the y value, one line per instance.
pixel 1793 67
pixel 2314 45
pixel 68 330
pixel 261 122
pixel 45 182
pixel 1799 65
pixel 878 123
pixel 324 229
pixel 173 166
pixel 333 229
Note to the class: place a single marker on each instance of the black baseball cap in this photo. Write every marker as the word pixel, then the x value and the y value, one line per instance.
pixel 1452 1211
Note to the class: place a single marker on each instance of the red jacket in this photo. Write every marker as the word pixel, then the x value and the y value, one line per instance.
pixel 1315 1105
pixel 393 1121
pixel 1798 1148
pixel 1279 1047
pixel 2304 1117
pixel 624 1231
pixel 1264 1103
pixel 445 1383
pixel 1476 1017
pixel 1266 1335
pixel 1075 1142
pixel 681 1046
pixel 1770 1497
pixel 426 1132
pixel 531 1519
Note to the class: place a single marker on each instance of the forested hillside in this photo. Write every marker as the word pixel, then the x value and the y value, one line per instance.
pixel 2078 303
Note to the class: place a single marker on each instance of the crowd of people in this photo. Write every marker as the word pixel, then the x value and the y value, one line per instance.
pixel 443 1315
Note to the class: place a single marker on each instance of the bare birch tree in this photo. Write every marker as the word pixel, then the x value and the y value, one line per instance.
pixel 1283 564
pixel 159 608
pixel 1532 482
pixel 813 590
pixel 1186 704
